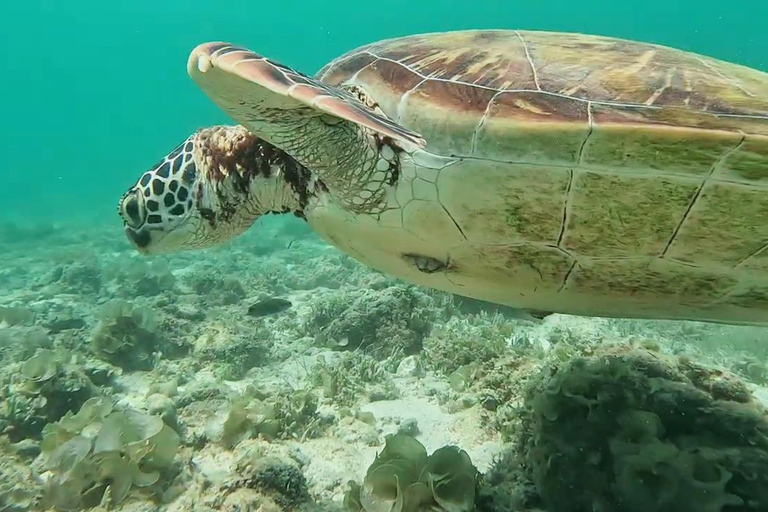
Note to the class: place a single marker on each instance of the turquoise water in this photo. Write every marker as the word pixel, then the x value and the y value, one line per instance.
pixel 95 92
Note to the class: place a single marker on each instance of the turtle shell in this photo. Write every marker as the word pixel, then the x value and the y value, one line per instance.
pixel 571 173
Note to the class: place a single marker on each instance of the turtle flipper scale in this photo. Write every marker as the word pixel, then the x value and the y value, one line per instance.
pixel 254 90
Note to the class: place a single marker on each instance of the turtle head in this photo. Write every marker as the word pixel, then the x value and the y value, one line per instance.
pixel 209 189
pixel 160 212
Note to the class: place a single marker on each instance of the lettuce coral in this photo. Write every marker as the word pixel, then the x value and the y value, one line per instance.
pixel 272 413
pixel 631 430
pixel 126 335
pixel 41 390
pixel 403 478
pixel 99 454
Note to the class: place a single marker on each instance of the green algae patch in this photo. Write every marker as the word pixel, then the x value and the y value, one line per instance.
pixel 97 456
pixel 633 430
pixel 404 478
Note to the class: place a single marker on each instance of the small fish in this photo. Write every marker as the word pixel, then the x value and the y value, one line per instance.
pixel 269 306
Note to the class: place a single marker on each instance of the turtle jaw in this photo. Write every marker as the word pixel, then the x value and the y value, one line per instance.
pixel 183 236
pixel 140 239
pixel 132 209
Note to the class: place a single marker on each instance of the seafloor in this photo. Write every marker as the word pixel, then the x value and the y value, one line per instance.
pixel 268 374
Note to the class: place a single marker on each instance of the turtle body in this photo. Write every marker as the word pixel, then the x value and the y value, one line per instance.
pixel 578 174
pixel 552 172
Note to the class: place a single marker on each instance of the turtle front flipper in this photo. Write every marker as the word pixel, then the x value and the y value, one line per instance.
pixel 350 148
pixel 268 97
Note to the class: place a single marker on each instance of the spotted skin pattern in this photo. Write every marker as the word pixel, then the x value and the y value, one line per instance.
pixel 165 188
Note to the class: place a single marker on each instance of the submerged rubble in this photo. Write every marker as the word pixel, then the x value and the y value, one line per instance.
pixel 294 379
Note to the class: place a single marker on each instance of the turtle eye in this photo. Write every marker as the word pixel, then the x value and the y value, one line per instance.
pixel 131 210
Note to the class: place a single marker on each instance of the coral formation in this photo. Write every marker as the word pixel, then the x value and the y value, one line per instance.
pixel 403 478
pixel 20 490
pixel 151 279
pixel 19 343
pixel 270 413
pixel 16 315
pixel 127 336
pixel 200 392
pixel 280 479
pixel 224 290
pixel 82 277
pixel 140 277
pixel 41 390
pixel 232 353
pixel 460 342
pixel 506 488
pixel 385 322
pixel 352 377
pixel 99 454
pixel 627 429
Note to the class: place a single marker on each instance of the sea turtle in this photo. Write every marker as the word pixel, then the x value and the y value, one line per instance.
pixel 550 172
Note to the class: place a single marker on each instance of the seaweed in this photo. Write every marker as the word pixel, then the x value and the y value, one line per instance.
pixel 46 386
pixel 403 478
pixel 99 454
pixel 126 336
pixel 271 414
pixel 353 377
pixel 628 429
pixel 461 342
pixel 384 323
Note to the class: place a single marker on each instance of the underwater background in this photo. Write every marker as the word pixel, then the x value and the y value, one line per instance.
pixel 276 374
pixel 94 92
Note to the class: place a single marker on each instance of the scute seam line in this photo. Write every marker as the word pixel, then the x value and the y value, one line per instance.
pixel 754 254
pixel 567 276
pixel 589 133
pixel 353 78
pixel 566 208
pixel 404 97
pixel 696 196
pixel 604 172
pixel 726 78
pixel 473 147
pixel 530 60
pixel 549 93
